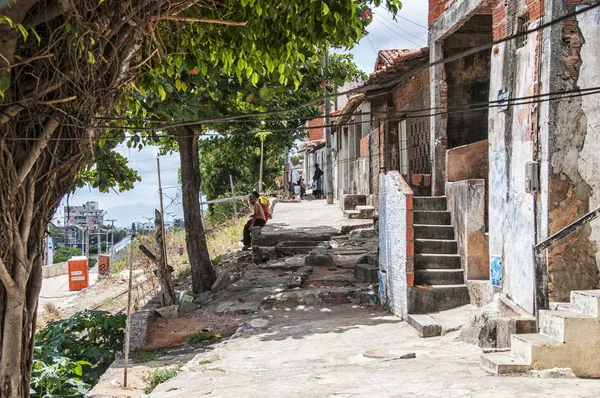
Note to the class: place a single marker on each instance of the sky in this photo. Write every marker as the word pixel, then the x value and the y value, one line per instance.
pixel 140 202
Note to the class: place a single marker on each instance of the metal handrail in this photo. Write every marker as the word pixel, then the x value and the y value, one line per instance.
pixel 542 298
pixel 568 230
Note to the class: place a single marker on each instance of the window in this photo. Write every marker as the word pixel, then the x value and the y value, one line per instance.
pixel 403 147
pixel 522 26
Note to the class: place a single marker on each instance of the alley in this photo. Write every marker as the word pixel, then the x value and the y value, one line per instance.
pixel 326 348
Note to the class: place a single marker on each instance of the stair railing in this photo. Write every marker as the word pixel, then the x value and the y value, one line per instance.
pixel 540 252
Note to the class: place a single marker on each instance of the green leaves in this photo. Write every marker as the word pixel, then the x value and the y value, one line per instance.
pixel 325 8
pixel 4 86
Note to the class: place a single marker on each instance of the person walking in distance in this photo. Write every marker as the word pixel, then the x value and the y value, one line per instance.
pixel 317 177
pixel 256 220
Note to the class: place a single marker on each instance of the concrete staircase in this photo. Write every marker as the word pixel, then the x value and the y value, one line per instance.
pixel 360 212
pixel 439 278
pixel 569 337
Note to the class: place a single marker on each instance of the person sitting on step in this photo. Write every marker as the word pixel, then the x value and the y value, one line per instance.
pixel 256 220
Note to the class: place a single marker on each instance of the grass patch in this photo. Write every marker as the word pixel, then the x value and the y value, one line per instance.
pixel 159 375
pixel 143 356
pixel 201 337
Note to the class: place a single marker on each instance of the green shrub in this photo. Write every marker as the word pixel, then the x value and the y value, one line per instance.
pixel 65 253
pixel 71 354
pixel 159 375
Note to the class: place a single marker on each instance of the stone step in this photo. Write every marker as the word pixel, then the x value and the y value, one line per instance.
pixel 564 325
pixel 437 261
pixel 356 214
pixel 431 217
pixel 434 298
pixel 439 277
pixel 294 250
pixel 321 297
pixel 299 243
pixel 433 231
pixel 429 203
pixel 366 273
pixel 434 246
pixel 425 325
pixel 503 363
pixel 586 302
pixel 532 346
pixel 364 208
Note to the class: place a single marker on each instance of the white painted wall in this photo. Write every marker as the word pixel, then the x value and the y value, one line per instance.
pixel 392 243
pixel 511 209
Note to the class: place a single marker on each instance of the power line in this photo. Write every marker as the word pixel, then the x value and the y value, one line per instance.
pixel 397 33
pixel 510 102
pixel 393 26
pixel 412 22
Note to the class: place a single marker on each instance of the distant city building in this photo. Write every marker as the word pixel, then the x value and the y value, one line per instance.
pixel 87 216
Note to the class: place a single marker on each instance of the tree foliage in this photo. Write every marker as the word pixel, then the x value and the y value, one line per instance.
pixel 69 70
pixel 64 253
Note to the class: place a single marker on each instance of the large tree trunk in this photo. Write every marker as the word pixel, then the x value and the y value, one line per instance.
pixel 203 273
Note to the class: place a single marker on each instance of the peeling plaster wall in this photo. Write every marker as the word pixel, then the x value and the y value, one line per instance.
pixel 571 152
pixel 589 76
pixel 511 209
pixel 394 264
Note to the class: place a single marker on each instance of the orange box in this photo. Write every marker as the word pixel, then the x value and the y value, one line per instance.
pixel 103 264
pixel 78 273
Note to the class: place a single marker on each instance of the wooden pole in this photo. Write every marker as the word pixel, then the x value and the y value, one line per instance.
pixel 328 158
pixel 162 216
pixel 262 144
pixel 233 192
pixel 128 326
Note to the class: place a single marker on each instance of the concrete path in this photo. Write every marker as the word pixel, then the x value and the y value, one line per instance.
pixel 350 351
pixel 310 214
pixel 56 290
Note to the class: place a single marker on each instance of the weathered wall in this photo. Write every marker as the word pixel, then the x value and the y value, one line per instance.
pixel 467 162
pixel 512 212
pixel 396 247
pixel 466 202
pixel 572 150
pixel 50 271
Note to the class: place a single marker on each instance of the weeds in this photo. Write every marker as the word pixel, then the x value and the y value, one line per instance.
pixel 159 375
pixel 200 337
pixel 143 356
pixel 52 313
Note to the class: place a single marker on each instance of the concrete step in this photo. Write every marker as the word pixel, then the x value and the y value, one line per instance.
pixel 429 203
pixel 431 217
pixel 322 297
pixel 356 214
pixel 532 346
pixel 503 363
pixel 439 277
pixel 299 243
pixel 437 261
pixel 434 298
pixel 366 273
pixel 364 208
pixel 434 231
pixel 586 302
pixel 564 325
pixel 433 246
pixel 294 250
pixel 425 325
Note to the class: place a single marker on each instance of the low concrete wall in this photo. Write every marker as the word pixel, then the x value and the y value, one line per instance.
pixel 467 162
pixel 396 246
pixel 50 271
pixel 466 202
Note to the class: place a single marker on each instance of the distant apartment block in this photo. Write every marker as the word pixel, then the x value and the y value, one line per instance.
pixel 86 216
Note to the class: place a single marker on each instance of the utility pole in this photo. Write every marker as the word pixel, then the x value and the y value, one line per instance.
pixel 233 189
pixel 162 215
pixel 328 161
pixel 99 243
pixel 112 237
pixel 87 242
pixel 148 218
pixel 286 168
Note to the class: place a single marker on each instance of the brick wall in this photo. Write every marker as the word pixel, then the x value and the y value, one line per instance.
pixel 315 133
pixel 413 94
pixel 436 9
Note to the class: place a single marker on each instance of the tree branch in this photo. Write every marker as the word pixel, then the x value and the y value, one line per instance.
pixel 36 151
pixel 49 13
pixel 203 20
pixel 148 253
pixel 7 280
